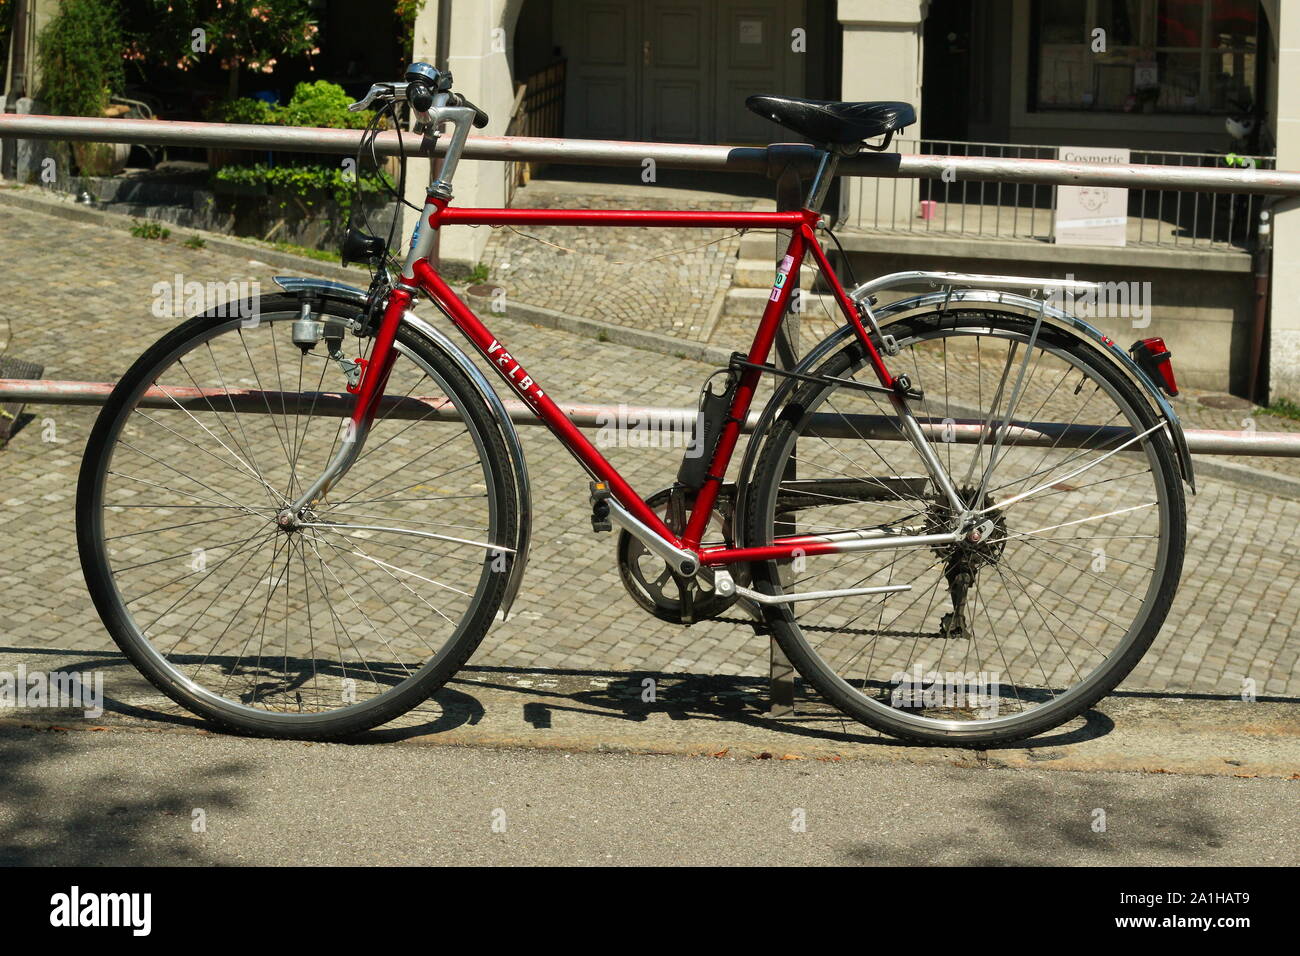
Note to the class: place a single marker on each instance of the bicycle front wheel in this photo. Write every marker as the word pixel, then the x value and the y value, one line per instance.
pixel 344 619
pixel 1080 527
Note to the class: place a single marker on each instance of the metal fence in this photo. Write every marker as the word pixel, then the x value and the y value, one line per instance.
pixel 1026 211
pixel 769 161
pixel 434 408
pixel 538 110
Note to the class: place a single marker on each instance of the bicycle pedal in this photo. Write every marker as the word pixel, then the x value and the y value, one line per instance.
pixel 600 507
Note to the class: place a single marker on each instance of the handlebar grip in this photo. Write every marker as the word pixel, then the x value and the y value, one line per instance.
pixel 480 118
pixel 419 96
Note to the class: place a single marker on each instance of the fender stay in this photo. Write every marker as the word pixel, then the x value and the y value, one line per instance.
pixel 353 296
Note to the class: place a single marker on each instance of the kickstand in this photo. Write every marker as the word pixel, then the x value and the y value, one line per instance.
pixel 780 676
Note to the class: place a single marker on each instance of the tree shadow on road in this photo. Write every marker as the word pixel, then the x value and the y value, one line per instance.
pixel 53 814
pixel 1110 823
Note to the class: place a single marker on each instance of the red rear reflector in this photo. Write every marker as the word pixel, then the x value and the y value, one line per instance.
pixel 1156 360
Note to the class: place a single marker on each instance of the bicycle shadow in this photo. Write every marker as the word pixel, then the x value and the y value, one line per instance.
pixel 638 696
pixel 542 695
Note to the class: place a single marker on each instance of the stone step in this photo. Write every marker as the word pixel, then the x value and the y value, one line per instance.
pixel 175 190
pixel 761 273
pixel 750 303
pixel 762 245
pixel 174 215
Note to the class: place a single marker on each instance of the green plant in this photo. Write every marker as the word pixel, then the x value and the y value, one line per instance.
pixel 303 182
pixel 478 274
pixel 1281 408
pixel 80 52
pixel 149 230
pixel 407 11
pixel 245 109
pixel 194 242
pixel 321 103
pixel 323 255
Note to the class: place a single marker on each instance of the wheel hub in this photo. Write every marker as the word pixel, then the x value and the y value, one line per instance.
pixel 980 547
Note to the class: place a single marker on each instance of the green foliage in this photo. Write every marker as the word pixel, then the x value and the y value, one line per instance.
pixel 1282 408
pixel 80 52
pixel 195 242
pixel 149 230
pixel 407 11
pixel 323 255
pixel 244 34
pixel 305 182
pixel 478 274
pixel 320 104
pixel 313 104
pixel 246 109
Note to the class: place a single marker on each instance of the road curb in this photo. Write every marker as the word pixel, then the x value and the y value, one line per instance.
pixel 52 204
pixel 715 716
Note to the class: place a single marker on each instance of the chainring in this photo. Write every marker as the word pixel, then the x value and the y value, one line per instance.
pixel 654 586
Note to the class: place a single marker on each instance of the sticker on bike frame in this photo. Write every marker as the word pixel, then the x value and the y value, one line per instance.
pixel 782 273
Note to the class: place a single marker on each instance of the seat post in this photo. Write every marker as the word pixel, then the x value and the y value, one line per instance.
pixel 825 175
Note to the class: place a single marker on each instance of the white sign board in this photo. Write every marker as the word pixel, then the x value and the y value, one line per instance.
pixel 1091 215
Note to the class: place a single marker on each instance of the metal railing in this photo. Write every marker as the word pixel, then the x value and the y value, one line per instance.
pixel 1014 210
pixel 770 161
pixel 434 408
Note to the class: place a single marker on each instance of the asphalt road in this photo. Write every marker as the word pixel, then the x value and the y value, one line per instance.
pixel 133 797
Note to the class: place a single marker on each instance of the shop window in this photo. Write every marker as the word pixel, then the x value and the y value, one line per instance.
pixel 1159 56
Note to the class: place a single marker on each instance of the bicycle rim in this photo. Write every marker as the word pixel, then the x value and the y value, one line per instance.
pixel 338 624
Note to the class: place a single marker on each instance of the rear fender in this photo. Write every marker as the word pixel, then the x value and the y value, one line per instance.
pixel 1022 304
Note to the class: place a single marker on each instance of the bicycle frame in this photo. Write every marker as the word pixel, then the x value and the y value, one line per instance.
pixel 419 275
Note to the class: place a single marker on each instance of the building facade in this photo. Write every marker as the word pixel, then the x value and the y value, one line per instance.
pixel 1181 81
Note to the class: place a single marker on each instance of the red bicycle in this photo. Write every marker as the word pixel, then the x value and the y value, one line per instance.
pixel 961 515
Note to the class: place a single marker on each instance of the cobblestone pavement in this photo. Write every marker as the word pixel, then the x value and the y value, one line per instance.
pixel 1234 615
pixel 659 279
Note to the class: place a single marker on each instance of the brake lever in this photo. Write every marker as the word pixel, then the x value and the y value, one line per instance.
pixel 384 90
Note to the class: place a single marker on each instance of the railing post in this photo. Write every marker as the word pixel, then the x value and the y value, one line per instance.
pixel 789 196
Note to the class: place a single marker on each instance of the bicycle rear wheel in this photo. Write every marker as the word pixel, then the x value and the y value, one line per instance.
pixel 1082 544
pixel 351 616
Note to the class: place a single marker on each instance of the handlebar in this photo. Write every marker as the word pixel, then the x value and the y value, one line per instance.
pixel 480 118
pixel 418 91
pixel 428 92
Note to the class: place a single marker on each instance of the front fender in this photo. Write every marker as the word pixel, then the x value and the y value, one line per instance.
pixel 352 296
